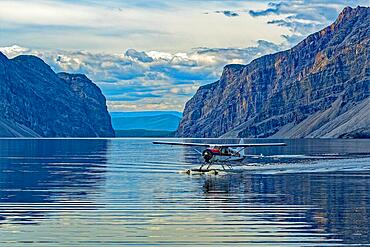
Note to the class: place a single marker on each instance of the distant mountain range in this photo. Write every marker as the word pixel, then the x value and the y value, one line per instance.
pixel 37 102
pixel 319 88
pixel 146 123
pixel 144 114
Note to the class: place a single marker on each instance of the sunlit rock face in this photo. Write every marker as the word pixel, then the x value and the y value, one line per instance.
pixel 37 102
pixel 319 88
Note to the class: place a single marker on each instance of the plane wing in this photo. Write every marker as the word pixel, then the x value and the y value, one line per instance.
pixel 185 144
pixel 241 145
pixel 245 145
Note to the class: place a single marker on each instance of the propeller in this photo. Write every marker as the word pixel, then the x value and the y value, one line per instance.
pixel 207 155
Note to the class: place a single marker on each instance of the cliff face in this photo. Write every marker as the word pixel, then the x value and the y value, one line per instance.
pixel 36 102
pixel 319 88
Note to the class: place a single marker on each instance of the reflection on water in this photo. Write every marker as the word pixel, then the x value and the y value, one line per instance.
pixel 334 205
pixel 50 174
pixel 129 192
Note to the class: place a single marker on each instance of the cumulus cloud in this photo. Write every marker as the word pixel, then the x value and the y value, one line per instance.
pixel 140 80
pixel 14 50
pixel 140 56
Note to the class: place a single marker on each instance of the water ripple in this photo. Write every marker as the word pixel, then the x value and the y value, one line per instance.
pixel 128 192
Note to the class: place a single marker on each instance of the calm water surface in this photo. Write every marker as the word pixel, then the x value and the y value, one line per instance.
pixel 123 192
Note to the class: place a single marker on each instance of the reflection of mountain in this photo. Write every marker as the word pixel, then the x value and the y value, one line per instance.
pixel 321 202
pixel 49 172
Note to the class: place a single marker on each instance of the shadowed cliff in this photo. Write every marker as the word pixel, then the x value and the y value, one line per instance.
pixel 319 88
pixel 37 102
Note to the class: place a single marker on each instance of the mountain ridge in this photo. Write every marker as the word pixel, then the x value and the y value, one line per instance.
pixel 275 92
pixel 37 102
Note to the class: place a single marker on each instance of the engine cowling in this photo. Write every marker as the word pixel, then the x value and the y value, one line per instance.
pixel 207 155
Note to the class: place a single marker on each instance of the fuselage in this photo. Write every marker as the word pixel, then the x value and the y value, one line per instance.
pixel 223 154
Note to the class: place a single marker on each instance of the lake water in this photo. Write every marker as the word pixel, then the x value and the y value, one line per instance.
pixel 128 192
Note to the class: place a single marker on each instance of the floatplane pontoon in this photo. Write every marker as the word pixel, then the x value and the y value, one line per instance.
pixel 223 154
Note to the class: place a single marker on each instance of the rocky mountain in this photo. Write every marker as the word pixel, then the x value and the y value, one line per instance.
pixel 319 88
pixel 37 102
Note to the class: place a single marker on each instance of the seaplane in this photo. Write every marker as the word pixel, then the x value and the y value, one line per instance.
pixel 220 154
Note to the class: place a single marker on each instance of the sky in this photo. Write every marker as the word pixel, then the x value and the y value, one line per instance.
pixel 154 55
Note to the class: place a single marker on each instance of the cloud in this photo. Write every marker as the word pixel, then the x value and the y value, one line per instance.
pixel 140 56
pixel 144 80
pixel 273 9
pixel 227 13
pixel 113 26
pixel 303 17
pixel 14 50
